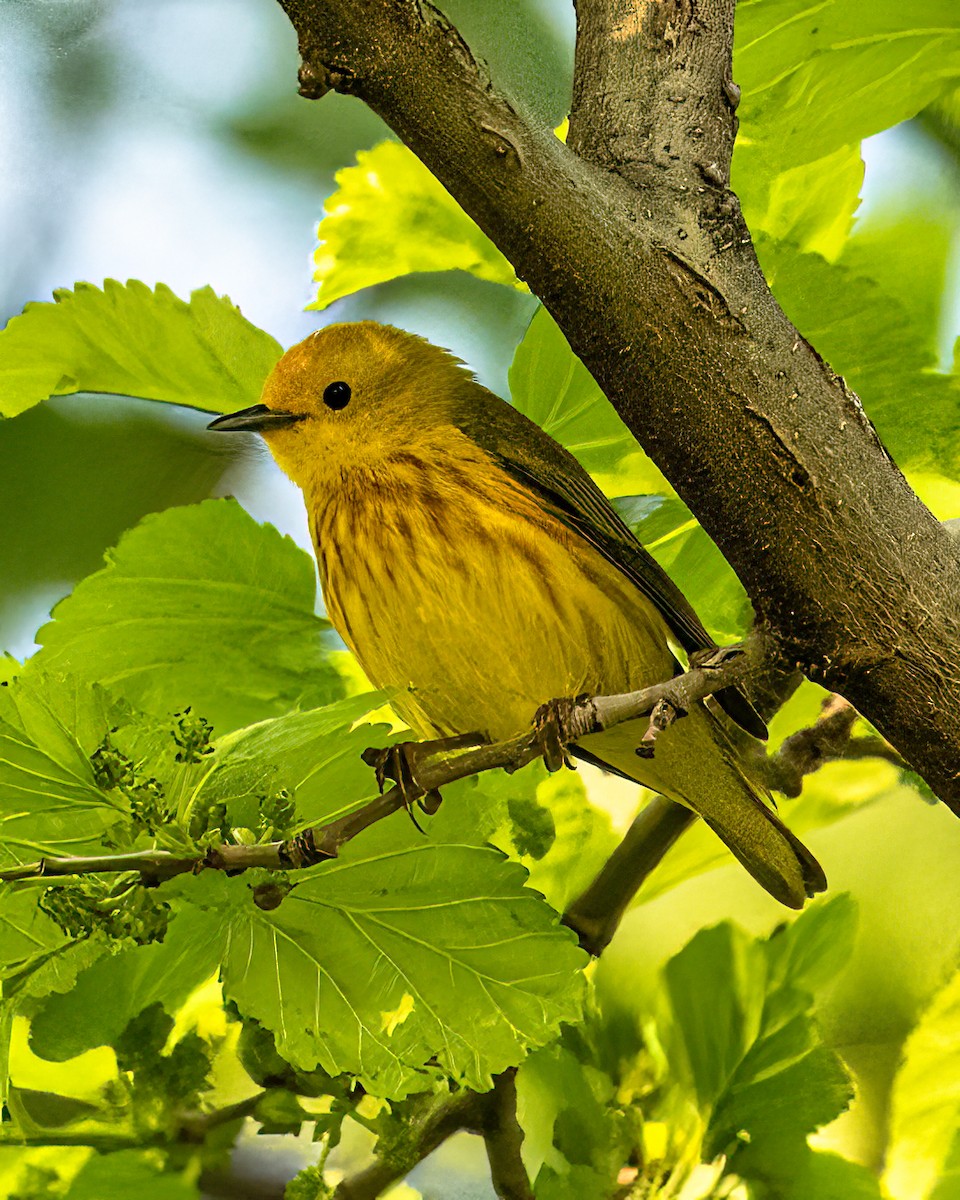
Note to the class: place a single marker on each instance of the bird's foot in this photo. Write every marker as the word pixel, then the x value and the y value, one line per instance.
pixel 398 764
pixel 552 724
pixel 662 717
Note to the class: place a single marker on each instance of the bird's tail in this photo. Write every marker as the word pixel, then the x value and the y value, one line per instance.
pixel 696 765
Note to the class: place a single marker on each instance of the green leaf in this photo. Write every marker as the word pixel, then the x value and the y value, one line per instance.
pixel 799 1173
pixel 61 712
pixel 128 1173
pixel 116 988
pixel 132 341
pixel 782 1101
pixel 314 755
pixel 389 217
pixel 53 973
pixel 198 606
pixel 582 836
pixel 925 1102
pixel 715 988
pixel 947 1186
pixel 532 827
pixel 811 950
pixel 27 934
pixel 819 76
pixel 394 958
pixel 788 1083
pixel 309 1184
pixel 573 1135
pixel 868 336
pixel 551 386
pixel 742 1030
pixel 810 206
pixel 49 800
pixel 909 257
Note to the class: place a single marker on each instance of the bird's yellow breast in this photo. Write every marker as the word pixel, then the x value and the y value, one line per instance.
pixel 451 584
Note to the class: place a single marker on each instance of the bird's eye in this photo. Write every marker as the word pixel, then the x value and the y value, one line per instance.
pixel 337 395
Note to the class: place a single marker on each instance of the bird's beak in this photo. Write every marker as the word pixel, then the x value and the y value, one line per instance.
pixel 255 419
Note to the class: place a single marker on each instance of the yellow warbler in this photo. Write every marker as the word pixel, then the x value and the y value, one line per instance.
pixel 472 564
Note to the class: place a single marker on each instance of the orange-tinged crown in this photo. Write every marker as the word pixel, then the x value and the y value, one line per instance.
pixel 364 390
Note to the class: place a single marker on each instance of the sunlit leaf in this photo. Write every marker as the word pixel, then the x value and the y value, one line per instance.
pixel 313 755
pixel 818 76
pixel 677 541
pixel 134 341
pixel 27 934
pixel 925 1105
pixel 811 206
pixel 573 1135
pixel 717 1023
pixel 550 385
pixel 580 836
pixel 115 988
pixel 389 217
pixel 199 606
pixel 393 958
pixel 868 336
pixel 49 800
pixel 947 1186
pixel 741 1031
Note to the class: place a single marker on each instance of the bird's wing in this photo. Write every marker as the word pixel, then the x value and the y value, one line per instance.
pixel 534 460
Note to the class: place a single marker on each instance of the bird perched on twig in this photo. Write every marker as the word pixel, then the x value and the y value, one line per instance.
pixel 470 563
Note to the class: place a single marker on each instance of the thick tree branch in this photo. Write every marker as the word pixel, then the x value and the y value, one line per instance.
pixel 769 448
pixel 653 97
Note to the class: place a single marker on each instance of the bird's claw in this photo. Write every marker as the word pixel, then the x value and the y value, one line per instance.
pixel 662 717
pixel 550 723
pixel 398 764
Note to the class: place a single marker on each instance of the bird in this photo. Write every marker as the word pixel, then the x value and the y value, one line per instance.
pixel 474 568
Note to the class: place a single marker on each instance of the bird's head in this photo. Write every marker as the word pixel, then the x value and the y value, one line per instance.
pixel 349 396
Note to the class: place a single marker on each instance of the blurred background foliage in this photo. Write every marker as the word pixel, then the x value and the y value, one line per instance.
pixel 167 143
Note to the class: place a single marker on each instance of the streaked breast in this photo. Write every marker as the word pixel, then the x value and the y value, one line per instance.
pixel 449 582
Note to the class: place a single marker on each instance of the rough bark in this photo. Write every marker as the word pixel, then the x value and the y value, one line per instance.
pixel 637 247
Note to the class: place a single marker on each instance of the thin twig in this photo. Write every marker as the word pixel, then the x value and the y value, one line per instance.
pixel 596 914
pixel 503 1138
pixel 874 747
pixel 434 764
pixel 808 749
pixel 427 1130
pixel 190 1128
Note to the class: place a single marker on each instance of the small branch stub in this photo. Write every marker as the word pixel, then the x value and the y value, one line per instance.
pixel 316 79
pixel 662 717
